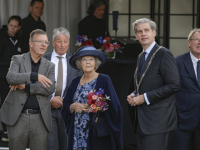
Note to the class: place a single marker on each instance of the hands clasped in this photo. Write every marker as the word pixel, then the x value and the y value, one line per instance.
pixel 56 102
pixel 79 108
pixel 133 101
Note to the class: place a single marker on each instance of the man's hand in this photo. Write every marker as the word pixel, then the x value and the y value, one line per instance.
pixel 56 102
pixel 130 99
pixel 20 86
pixel 138 100
pixel 44 80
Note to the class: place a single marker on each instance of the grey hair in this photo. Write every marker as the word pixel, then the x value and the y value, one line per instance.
pixel 35 32
pixel 61 30
pixel 192 32
pixel 78 63
pixel 144 20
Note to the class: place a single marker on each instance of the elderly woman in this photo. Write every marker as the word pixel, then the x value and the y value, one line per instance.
pixel 83 129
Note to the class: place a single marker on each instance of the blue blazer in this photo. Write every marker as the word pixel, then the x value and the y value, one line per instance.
pixel 188 98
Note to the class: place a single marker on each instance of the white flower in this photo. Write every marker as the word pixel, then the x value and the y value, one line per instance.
pixel 107 97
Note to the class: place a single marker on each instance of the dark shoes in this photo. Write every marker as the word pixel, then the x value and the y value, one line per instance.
pixel 5 137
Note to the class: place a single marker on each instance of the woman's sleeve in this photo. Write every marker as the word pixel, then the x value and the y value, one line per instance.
pixel 114 116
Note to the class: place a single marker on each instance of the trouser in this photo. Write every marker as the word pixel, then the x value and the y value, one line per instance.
pixel 57 136
pixel 4 90
pixel 28 130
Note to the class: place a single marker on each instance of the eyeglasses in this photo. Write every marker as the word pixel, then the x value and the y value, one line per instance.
pixel 196 40
pixel 42 42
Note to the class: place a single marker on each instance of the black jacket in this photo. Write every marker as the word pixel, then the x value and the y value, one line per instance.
pixel 93 28
pixel 7 50
pixel 28 25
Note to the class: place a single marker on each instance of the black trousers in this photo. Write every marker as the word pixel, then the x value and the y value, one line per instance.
pixel 186 140
pixel 4 90
pixel 153 142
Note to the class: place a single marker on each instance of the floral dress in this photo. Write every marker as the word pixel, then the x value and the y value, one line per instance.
pixel 81 123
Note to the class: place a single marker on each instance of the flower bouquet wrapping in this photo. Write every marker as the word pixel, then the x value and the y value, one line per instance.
pixel 96 102
pixel 108 47
pixel 83 40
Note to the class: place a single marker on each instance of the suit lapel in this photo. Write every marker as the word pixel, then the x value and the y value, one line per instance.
pixel 68 72
pixel 137 68
pixel 190 69
pixel 42 67
pixel 156 46
pixel 27 64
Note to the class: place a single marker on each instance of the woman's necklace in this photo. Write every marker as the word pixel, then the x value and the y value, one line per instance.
pixel 91 80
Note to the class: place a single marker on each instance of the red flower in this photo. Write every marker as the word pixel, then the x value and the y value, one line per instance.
pixel 107 38
pixel 89 42
pixel 89 101
pixel 102 47
pixel 107 45
pixel 83 44
pixel 94 111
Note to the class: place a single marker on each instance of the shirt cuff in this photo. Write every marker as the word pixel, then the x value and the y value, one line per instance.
pixel 34 76
pixel 146 99
pixel 27 88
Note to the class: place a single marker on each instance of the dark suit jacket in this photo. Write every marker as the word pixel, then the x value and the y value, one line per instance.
pixel 160 83
pixel 188 98
pixel 20 73
pixel 71 72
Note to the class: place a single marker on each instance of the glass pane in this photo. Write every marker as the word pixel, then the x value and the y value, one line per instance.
pixel 195 6
pixel 181 6
pixel 140 6
pixel 178 46
pixel 180 26
pixel 122 25
pixel 134 18
pixel 161 6
pixel 118 5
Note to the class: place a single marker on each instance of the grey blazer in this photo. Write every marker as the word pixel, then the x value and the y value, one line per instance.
pixel 71 72
pixel 19 73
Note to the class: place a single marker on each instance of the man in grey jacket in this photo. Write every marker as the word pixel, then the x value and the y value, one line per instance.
pixel 26 110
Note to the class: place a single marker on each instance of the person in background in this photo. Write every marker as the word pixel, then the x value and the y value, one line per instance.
pixel 10 44
pixel 83 129
pixel 26 110
pixel 93 25
pixel 63 77
pixel 187 136
pixel 32 22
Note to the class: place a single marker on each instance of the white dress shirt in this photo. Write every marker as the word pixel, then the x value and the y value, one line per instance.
pixel 55 60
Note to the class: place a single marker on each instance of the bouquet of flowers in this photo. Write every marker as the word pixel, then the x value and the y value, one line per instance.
pixel 83 40
pixel 107 46
pixel 96 102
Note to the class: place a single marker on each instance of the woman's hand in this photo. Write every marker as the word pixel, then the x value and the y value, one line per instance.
pixel 78 107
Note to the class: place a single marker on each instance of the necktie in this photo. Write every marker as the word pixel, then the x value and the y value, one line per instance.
pixel 59 78
pixel 198 71
pixel 141 64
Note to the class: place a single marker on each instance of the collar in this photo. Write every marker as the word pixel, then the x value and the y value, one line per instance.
pixel 193 58
pixel 54 54
pixel 31 17
pixel 148 50
pixel 32 62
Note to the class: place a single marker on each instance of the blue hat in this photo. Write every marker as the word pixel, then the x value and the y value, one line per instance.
pixel 87 51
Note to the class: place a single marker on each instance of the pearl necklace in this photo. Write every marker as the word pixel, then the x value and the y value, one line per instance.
pixel 91 80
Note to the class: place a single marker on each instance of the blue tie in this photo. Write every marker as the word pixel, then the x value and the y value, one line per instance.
pixel 142 64
pixel 198 71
